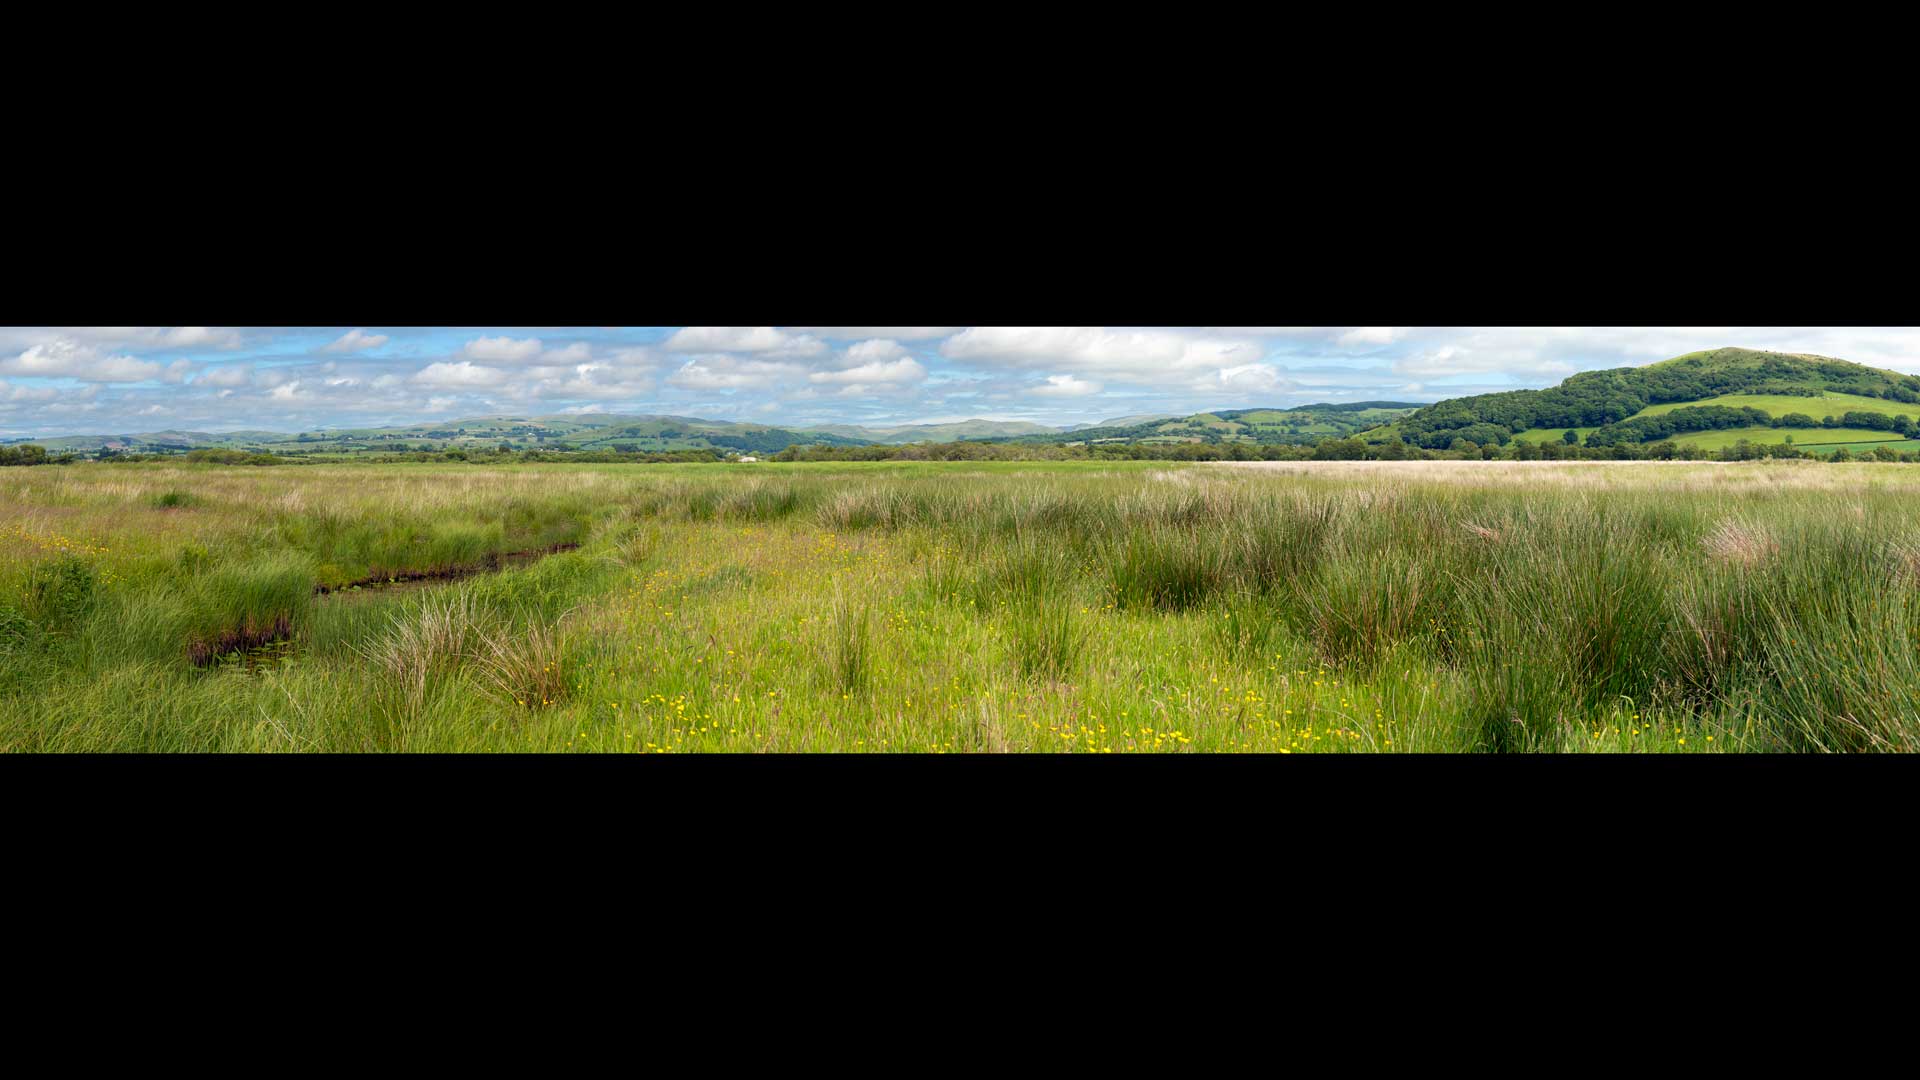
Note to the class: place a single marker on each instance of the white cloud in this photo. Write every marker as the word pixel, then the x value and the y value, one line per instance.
pixel 1066 386
pixel 903 370
pixel 1143 355
pixel 459 374
pixel 1462 359
pixel 1251 379
pixel 896 333
pixel 355 341
pixel 1368 335
pixel 225 375
pixel 577 353
pixel 501 349
pixel 747 339
pixel 285 391
pixel 877 350
pixel 65 358
pixel 157 337
pixel 721 372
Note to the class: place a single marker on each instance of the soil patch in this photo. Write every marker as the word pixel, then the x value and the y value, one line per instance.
pixel 248 638
pixel 492 563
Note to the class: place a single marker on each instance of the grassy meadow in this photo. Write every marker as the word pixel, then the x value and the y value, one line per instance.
pixel 1312 607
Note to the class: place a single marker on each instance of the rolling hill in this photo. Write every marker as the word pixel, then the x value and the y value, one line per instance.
pixel 1709 398
pixel 953 432
pixel 1300 424
pixel 654 434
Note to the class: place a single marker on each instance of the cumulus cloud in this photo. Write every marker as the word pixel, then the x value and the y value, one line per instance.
pixel 1144 355
pixel 157 337
pixel 1368 335
pixel 902 371
pixel 501 349
pixel 225 375
pixel 895 333
pixel 463 373
pixel 878 350
pixel 66 358
pixel 743 339
pixel 723 372
pixel 1065 386
pixel 1250 379
pixel 356 341
pixel 1461 359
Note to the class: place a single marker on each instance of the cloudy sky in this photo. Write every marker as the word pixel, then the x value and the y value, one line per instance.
pixel 125 380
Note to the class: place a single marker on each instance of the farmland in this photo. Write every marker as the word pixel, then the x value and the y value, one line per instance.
pixel 1104 607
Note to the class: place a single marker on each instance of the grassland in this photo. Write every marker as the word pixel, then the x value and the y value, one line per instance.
pixel 910 607
pixel 1715 440
pixel 1830 403
pixel 1537 435
pixel 1903 445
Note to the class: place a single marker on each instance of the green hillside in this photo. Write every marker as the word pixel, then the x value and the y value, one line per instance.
pixel 1710 398
pixel 1828 403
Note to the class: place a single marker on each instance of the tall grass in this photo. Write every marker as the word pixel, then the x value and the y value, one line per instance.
pixel 935 607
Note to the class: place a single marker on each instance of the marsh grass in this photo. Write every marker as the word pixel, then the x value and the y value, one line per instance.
pixel 1047 638
pixel 850 644
pixel 528 667
pixel 964 607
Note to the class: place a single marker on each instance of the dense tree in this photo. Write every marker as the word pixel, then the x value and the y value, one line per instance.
pixel 25 454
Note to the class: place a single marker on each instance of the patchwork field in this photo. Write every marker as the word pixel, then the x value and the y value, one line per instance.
pixel 931 607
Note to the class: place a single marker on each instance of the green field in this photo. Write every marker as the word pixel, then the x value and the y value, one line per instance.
pixel 1539 435
pixel 1715 440
pixel 1858 448
pixel 928 607
pixel 1830 403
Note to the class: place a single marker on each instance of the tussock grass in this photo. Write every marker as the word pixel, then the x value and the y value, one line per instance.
pixel 1449 606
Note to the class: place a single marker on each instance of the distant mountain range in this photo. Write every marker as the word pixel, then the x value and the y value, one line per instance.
pixel 651 433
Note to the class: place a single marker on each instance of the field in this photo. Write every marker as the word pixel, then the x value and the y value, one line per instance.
pixel 1829 437
pixel 1902 445
pixel 1540 435
pixel 926 607
pixel 1830 403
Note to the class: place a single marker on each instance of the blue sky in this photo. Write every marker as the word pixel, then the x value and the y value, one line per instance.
pixel 91 380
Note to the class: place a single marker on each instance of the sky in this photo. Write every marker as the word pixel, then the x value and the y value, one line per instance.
pixel 129 380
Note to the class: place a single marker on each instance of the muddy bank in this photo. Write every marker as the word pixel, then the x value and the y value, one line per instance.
pixel 243 639
pixel 492 563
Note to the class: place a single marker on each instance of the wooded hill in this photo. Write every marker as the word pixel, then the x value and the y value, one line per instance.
pixel 1619 404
